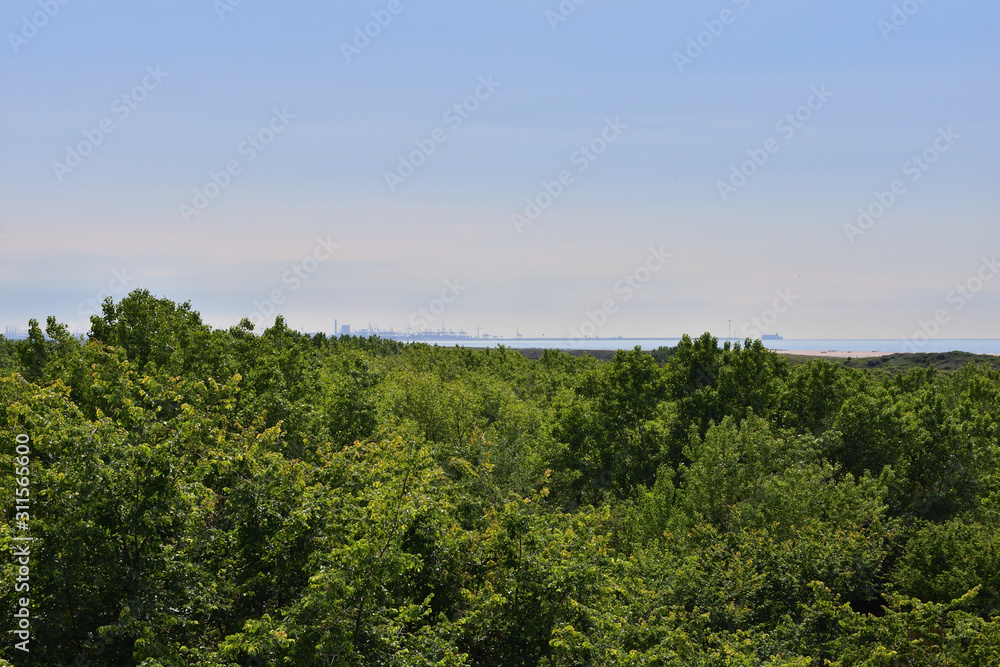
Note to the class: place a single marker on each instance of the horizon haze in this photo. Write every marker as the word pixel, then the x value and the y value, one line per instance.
pixel 612 169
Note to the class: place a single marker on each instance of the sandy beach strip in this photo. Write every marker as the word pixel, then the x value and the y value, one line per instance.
pixel 833 354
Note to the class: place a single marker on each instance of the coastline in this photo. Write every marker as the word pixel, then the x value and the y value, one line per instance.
pixel 834 354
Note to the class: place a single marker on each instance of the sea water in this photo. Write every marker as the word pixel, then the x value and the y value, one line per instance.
pixel 887 346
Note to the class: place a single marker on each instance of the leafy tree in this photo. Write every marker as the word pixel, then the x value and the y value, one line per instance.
pixel 615 426
pixel 943 561
pixel 232 497
pixel 814 395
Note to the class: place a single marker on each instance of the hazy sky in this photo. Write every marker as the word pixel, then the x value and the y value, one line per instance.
pixel 649 168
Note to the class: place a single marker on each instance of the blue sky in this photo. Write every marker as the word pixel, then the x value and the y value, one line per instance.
pixel 311 221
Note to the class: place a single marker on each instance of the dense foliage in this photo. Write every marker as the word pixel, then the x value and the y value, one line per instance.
pixel 230 497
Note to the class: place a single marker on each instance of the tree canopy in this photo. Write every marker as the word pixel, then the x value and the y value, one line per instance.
pixel 224 497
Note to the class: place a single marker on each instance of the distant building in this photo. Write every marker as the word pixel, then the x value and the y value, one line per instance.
pixel 345 330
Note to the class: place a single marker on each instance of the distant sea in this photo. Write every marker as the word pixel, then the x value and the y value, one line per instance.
pixel 888 346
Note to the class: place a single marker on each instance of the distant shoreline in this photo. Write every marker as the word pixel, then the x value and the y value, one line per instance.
pixel 834 354
pixel 823 348
pixel 828 348
pixel 891 361
pixel 838 354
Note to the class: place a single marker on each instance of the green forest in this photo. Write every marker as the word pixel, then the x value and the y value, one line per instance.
pixel 207 497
